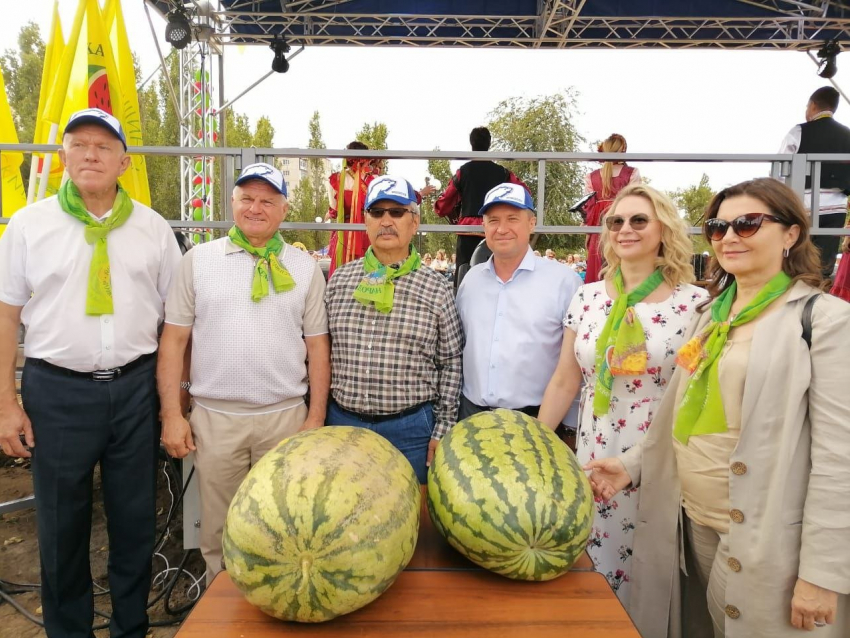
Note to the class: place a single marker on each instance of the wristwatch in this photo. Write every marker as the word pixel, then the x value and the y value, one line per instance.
pixel 185 385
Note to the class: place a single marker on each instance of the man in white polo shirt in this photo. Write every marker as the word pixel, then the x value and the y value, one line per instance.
pixel 254 309
pixel 511 308
pixel 87 272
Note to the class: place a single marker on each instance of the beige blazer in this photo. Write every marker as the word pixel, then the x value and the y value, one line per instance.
pixel 789 483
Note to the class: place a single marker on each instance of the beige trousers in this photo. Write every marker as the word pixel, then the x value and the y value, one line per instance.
pixel 711 551
pixel 228 446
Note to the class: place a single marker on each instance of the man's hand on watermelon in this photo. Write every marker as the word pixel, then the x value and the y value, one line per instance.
pixel 432 448
pixel 311 423
pixel 607 477
pixel 177 436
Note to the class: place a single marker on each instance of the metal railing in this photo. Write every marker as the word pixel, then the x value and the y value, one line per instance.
pixel 792 168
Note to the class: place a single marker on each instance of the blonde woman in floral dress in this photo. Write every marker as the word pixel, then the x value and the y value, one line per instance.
pixel 621 340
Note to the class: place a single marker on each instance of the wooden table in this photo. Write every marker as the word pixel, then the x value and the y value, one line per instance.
pixel 440 594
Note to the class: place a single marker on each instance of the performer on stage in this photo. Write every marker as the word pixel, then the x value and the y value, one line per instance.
pixel 358 172
pixel 841 284
pixel 348 245
pixel 606 182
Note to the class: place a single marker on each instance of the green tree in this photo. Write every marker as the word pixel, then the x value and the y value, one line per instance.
pixel 440 170
pixel 316 173
pixel 431 243
pixel 263 136
pixel 544 124
pixel 237 129
pixel 692 203
pixel 22 76
pixel 160 127
pixel 302 208
pixel 309 200
pixel 373 135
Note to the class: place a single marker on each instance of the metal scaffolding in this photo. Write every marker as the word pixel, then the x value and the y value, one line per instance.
pixel 538 24
pixel 199 128
pixel 724 24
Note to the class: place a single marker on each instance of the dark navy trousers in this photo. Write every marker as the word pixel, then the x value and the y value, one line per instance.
pixel 79 423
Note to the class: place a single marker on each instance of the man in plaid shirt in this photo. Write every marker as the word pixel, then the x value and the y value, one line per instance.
pixel 396 340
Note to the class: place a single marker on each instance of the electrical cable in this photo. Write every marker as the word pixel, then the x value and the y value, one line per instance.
pixel 8 589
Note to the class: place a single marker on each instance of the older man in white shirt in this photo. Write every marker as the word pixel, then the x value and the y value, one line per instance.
pixel 87 272
pixel 511 308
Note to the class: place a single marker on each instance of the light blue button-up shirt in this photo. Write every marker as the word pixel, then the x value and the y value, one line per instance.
pixel 514 330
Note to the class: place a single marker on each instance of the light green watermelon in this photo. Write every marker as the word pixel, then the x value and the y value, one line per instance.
pixel 509 495
pixel 323 524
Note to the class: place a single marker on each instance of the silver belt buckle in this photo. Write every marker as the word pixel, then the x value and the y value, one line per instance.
pixel 106 375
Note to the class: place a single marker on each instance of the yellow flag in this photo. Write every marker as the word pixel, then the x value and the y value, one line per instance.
pixel 135 180
pixel 59 86
pixel 90 78
pixel 14 196
pixel 52 59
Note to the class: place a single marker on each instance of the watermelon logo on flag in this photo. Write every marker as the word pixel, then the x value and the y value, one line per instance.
pixel 99 88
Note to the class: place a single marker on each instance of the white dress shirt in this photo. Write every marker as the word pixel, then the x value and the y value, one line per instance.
pixel 830 200
pixel 513 330
pixel 44 267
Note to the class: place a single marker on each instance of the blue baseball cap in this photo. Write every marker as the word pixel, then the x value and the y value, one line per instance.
pixel 396 189
pixel 265 172
pixel 100 118
pixel 507 193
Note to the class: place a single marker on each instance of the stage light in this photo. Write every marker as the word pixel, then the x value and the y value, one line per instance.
pixel 828 67
pixel 178 31
pixel 280 64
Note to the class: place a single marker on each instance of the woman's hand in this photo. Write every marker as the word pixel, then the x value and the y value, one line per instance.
pixel 608 477
pixel 812 606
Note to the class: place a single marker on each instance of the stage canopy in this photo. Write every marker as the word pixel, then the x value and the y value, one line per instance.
pixel 726 24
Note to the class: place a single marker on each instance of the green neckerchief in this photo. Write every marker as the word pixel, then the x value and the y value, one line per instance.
pixel 267 261
pixel 621 348
pixel 377 286
pixel 99 292
pixel 701 409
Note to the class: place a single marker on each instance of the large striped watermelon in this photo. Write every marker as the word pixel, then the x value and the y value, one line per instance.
pixel 510 496
pixel 323 524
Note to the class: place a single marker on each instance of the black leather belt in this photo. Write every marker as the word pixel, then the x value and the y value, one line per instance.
pixel 380 418
pixel 98 375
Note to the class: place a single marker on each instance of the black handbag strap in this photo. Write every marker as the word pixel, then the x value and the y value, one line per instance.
pixel 807 319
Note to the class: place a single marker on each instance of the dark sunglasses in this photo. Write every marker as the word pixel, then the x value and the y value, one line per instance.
pixel 615 223
pixel 744 226
pixel 395 213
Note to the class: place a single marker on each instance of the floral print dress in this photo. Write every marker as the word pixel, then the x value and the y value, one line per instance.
pixel 633 402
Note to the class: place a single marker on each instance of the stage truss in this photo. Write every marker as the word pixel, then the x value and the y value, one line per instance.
pixel 527 24
pixel 725 24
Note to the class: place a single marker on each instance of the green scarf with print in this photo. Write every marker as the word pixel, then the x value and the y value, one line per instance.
pixel 377 286
pixel 99 289
pixel 267 265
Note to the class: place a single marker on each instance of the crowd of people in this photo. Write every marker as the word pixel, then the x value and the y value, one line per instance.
pixel 712 421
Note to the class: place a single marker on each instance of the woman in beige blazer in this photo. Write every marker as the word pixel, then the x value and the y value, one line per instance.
pixel 745 483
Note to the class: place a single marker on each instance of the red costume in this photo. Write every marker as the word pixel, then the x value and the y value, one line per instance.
pixel 349 245
pixel 596 209
pixel 841 285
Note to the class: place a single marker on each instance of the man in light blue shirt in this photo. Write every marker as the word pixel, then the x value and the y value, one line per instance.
pixel 512 309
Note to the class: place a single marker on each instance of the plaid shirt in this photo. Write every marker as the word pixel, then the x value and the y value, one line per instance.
pixel 387 363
